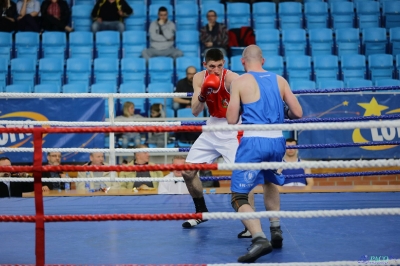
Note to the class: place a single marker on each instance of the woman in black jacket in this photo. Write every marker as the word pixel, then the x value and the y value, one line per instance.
pixel 8 15
pixel 55 15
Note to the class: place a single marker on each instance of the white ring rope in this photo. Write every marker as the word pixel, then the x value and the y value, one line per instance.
pixel 86 150
pixel 302 126
pixel 92 95
pixel 390 261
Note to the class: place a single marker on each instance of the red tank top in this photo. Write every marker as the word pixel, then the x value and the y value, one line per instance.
pixel 218 101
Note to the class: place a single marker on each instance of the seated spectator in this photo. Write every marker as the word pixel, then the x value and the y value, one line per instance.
pixel 156 111
pixel 55 15
pixel 162 37
pixel 214 34
pixel 96 158
pixel 174 187
pixel 128 115
pixel 53 158
pixel 109 15
pixel 185 85
pixel 140 158
pixel 291 155
pixel 13 189
pixel 8 15
pixel 28 15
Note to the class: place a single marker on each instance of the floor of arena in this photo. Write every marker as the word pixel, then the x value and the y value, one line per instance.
pixel 166 242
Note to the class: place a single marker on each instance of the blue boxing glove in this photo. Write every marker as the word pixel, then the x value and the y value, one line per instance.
pixel 286 110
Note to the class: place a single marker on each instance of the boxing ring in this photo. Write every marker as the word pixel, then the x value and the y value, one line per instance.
pixel 318 228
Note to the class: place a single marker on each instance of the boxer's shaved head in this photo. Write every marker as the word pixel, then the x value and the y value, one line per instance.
pixel 252 53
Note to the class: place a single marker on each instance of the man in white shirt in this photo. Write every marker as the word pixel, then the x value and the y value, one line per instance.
pixel 174 187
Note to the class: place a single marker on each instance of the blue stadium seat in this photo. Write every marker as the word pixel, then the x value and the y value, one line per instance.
pixel 358 83
pixel 138 20
pixel 133 70
pixel 46 88
pixel 186 16
pixel 398 65
pixel 391 14
pixel 27 45
pixel 330 84
pixel 264 15
pixel 290 15
pixel 83 2
pixel 342 14
pixel 51 71
pixel 188 42
pixel 368 14
pixel 325 67
pixel 133 43
pixel 362 1
pixel 23 71
pixel 274 63
pixel 137 2
pixel 160 2
pixel 302 84
pixel 75 88
pixel 6 46
pixel 3 73
pixel 395 40
pixel 106 88
pixel 192 2
pixel 374 41
pixel 54 44
pixel 18 88
pixel 298 67
pixel 269 41
pixel 321 41
pixel 316 15
pixel 132 87
pixel 184 62
pixel 347 41
pixel 81 44
pixel 380 66
pixel 294 41
pixel 79 70
pixel 161 87
pixel 217 7
pixel 106 70
pixel 81 17
pixel 236 64
pixel 185 113
pixel 107 44
pixel 161 69
pixel 387 82
pixel 238 15
pixel 312 1
pixel 153 12
pixel 353 67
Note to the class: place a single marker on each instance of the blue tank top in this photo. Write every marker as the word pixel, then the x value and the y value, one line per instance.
pixel 270 102
pixel 299 171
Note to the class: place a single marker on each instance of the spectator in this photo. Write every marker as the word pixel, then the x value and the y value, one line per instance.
pixel 141 158
pixel 185 85
pixel 174 187
pixel 8 15
pixel 13 189
pixel 109 15
pixel 96 158
pixel 129 115
pixel 156 111
pixel 53 158
pixel 28 15
pixel 214 34
pixel 55 15
pixel 291 155
pixel 162 37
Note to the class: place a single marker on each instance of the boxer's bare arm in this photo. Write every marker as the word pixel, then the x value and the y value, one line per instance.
pixel 295 110
pixel 197 106
pixel 230 76
pixel 232 114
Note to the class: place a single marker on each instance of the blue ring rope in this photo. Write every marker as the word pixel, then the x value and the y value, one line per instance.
pixel 388 172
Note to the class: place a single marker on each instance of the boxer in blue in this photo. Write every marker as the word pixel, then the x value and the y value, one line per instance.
pixel 258 95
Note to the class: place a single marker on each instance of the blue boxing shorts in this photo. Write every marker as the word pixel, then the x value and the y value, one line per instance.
pixel 257 150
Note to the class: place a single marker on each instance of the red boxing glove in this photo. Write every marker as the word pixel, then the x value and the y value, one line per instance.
pixel 210 84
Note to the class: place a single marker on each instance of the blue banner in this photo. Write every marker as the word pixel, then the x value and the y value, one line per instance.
pixel 350 105
pixel 46 109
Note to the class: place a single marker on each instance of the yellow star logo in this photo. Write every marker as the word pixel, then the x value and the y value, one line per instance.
pixel 372 108
pixel 345 103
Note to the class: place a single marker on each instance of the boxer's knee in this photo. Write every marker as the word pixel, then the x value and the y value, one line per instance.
pixel 239 199
pixel 189 175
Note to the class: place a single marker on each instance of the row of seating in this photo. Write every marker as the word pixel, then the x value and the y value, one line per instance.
pixel 340 14
pixel 161 70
